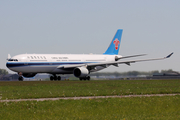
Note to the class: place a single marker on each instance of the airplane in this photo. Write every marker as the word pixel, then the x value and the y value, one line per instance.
pixel 81 65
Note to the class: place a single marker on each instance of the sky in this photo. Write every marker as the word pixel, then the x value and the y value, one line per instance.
pixel 150 27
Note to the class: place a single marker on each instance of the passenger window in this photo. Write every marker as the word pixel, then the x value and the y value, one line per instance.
pixel 31 57
pixel 38 57
pixel 35 57
pixel 41 57
pixel 44 57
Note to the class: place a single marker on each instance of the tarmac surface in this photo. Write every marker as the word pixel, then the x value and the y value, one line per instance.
pixel 87 97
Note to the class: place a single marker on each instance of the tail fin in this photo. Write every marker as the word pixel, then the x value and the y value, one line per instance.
pixel 113 48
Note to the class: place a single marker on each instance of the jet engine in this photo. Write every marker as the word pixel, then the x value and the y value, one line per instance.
pixel 29 74
pixel 81 72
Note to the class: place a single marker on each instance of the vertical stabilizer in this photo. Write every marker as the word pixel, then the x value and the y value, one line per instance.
pixel 113 48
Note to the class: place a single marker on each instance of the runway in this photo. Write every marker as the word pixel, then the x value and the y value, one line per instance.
pixel 87 97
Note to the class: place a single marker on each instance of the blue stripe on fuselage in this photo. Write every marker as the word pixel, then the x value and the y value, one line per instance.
pixel 21 64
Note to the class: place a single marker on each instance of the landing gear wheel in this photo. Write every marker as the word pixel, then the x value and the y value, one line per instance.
pixel 51 78
pixel 55 78
pixel 59 78
pixel 88 78
pixel 85 78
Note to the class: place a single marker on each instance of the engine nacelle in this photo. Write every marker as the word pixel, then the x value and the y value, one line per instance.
pixel 81 72
pixel 29 74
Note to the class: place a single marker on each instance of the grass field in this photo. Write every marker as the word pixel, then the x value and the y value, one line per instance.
pixel 138 108
pixel 46 89
pixel 133 108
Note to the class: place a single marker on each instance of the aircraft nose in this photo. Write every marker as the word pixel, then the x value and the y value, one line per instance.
pixel 7 65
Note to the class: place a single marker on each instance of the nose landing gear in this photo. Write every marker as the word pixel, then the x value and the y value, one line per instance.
pixel 20 78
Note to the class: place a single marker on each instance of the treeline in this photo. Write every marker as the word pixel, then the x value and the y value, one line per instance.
pixel 3 72
pixel 131 73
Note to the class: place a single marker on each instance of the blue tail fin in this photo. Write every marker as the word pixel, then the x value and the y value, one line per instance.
pixel 113 48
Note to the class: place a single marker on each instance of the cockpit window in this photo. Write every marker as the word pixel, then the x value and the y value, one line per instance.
pixel 12 60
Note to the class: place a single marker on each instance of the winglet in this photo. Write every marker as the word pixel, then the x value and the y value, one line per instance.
pixel 169 55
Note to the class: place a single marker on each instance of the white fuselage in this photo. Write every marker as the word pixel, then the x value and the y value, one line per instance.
pixel 51 63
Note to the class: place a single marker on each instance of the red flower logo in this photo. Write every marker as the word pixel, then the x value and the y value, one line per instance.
pixel 116 42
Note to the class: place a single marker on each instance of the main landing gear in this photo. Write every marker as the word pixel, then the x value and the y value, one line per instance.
pixel 54 77
pixel 85 78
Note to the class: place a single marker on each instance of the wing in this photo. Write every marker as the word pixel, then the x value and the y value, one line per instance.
pixel 115 63
pixel 129 56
